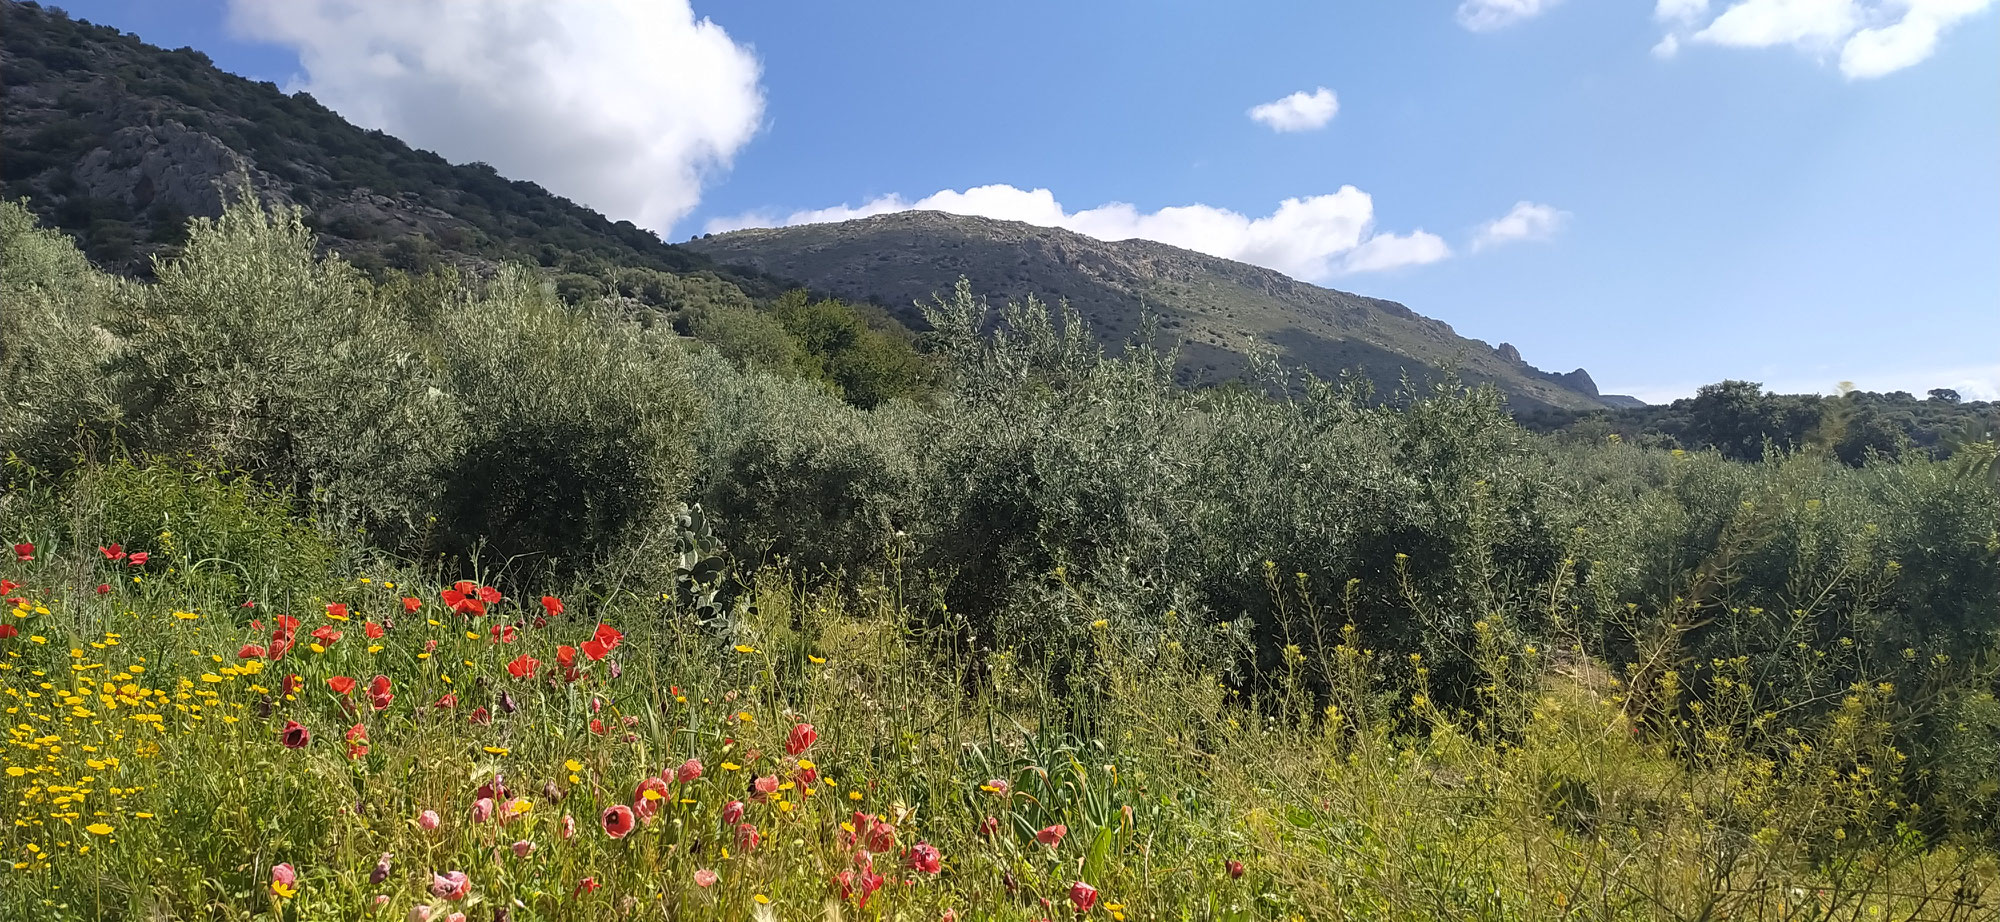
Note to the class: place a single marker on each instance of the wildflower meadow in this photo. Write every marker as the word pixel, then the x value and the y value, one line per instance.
pixel 437 599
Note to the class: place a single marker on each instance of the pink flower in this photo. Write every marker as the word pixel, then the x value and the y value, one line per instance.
pixel 988 827
pixel 1082 896
pixel 455 917
pixel 284 880
pixel 512 810
pixel 1052 836
pixel 646 800
pixel 523 848
pixel 732 813
pixel 568 830
pixel 427 820
pixel 419 913
pixel 997 787
pixel 137 558
pixel 689 771
pixel 925 858
pixel 453 885
pixel 482 810
pixel 706 878
pixel 881 838
pixel 747 837
pixel 767 785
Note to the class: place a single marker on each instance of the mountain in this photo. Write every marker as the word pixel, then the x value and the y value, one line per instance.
pixel 1220 311
pixel 118 142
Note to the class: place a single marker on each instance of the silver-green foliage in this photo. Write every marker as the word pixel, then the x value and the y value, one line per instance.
pixel 53 341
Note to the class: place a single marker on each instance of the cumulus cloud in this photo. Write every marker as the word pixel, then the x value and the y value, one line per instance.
pixel 1314 238
pixel 1527 221
pixel 1301 111
pixel 1871 37
pixel 1487 15
pixel 622 105
pixel 1679 10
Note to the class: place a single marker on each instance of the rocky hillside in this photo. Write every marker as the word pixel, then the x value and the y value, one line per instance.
pixel 118 142
pixel 1221 312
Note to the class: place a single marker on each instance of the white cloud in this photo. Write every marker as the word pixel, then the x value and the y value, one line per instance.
pixel 1809 24
pixel 622 105
pixel 1301 111
pixel 1872 37
pixel 1667 47
pixel 1527 221
pixel 1679 10
pixel 1487 15
pixel 1314 238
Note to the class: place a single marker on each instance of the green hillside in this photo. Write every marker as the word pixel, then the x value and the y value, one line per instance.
pixel 1220 312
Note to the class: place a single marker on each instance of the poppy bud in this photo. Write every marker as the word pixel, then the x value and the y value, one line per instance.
pixel 507 705
pixel 381 872
pixel 482 810
pixel 1235 869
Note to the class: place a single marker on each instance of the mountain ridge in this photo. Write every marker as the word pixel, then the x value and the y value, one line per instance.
pixel 1221 311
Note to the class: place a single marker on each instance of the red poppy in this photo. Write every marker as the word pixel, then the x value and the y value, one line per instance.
pixel 452 886
pixel 281 641
pixel 597 726
pixel 8 630
pixel 292 685
pixel 137 558
pixel 448 702
pixel 480 715
pixel 1235 869
pixel 552 605
pixel 618 821
pixel 732 813
pixel 295 735
pixel 373 630
pixel 337 610
pixel 924 857
pixel 1052 836
pixel 988 827
pixel 881 838
pixel 378 692
pixel 603 643
pixel 341 685
pixel 24 551
pixel 326 634
pixel 357 741
pixel 748 838
pixel 469 598
pixel 646 806
pixel 689 771
pixel 103 588
pixel 114 553
pixel 586 885
pixel 1082 896
pixel 800 739
pixel 411 604
pixel 8 585
pixel 523 666
pixel 566 656
pixel 504 633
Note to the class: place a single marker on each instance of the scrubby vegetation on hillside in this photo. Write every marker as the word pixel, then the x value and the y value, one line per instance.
pixel 338 598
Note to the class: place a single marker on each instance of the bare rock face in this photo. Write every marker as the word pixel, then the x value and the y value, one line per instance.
pixel 1580 382
pixel 1508 352
pixel 174 165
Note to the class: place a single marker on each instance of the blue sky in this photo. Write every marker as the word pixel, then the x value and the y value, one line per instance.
pixel 1802 192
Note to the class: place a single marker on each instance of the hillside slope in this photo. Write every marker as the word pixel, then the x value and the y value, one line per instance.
pixel 118 142
pixel 1220 311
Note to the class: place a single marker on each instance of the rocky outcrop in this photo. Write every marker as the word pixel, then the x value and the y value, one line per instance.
pixel 1578 381
pixel 173 165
